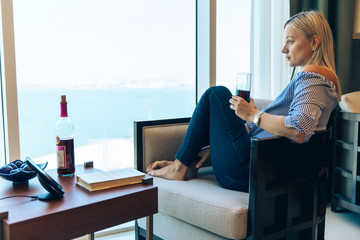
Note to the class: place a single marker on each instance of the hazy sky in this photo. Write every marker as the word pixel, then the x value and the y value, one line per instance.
pixel 108 42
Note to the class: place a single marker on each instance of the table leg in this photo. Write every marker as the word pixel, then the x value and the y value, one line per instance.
pixel 149 228
pixel 2 216
pixel 91 236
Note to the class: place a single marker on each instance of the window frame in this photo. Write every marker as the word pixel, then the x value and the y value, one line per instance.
pixel 8 84
pixel 205 70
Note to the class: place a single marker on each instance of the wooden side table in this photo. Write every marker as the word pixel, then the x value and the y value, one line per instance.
pixel 346 165
pixel 78 213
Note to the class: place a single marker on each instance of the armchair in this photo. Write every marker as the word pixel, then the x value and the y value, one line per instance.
pixel 286 199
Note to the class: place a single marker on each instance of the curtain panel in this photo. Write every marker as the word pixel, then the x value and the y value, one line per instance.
pixel 270 70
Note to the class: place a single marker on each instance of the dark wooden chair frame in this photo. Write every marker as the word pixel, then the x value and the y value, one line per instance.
pixel 288 185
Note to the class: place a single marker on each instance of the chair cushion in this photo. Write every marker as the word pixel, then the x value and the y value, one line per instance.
pixel 203 203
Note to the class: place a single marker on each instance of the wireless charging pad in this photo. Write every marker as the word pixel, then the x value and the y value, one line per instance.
pixel 47 197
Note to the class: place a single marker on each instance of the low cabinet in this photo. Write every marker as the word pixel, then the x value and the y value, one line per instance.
pixel 346 164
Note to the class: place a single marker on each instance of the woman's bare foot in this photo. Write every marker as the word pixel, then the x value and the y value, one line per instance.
pixel 172 171
pixel 175 170
pixel 158 164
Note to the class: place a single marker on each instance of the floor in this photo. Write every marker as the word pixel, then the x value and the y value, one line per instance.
pixel 342 225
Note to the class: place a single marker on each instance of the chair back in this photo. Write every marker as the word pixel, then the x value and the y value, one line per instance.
pixel 150 136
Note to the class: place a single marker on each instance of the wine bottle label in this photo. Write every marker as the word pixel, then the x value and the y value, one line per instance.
pixel 61 151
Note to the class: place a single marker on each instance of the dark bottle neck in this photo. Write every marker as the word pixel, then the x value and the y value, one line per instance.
pixel 63 110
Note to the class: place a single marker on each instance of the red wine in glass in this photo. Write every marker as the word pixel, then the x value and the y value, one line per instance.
pixel 244 94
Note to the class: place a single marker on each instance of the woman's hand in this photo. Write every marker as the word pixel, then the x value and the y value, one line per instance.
pixel 204 154
pixel 273 124
pixel 243 109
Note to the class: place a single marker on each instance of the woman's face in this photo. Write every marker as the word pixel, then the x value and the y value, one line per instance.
pixel 297 48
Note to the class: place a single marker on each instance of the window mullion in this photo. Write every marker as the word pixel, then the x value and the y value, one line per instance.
pixel 205 45
pixel 12 143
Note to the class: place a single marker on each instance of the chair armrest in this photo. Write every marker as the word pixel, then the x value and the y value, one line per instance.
pixel 157 140
pixel 284 184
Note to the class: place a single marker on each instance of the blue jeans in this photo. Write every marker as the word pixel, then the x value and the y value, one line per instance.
pixel 214 123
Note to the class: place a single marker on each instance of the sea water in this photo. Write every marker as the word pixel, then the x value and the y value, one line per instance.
pixel 95 113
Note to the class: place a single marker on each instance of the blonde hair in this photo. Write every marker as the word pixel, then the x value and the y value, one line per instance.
pixel 313 23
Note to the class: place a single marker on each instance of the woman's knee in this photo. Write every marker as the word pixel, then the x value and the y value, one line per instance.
pixel 219 91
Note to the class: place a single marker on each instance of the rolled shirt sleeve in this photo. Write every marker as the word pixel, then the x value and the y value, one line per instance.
pixel 305 103
pixel 311 96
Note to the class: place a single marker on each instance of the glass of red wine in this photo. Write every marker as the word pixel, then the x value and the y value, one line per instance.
pixel 243 85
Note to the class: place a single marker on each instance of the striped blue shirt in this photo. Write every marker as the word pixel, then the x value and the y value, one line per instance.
pixel 306 102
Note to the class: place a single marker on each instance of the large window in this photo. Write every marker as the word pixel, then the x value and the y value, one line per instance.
pixel 117 61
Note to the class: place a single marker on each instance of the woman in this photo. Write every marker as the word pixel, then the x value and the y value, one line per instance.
pixel 301 109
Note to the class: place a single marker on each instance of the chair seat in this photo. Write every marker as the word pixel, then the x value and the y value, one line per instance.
pixel 201 202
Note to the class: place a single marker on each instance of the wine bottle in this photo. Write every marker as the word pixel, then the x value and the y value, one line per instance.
pixel 65 142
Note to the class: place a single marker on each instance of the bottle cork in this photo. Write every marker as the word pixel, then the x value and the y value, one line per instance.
pixel 63 99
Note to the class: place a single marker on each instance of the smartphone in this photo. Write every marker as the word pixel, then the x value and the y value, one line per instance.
pixel 54 188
